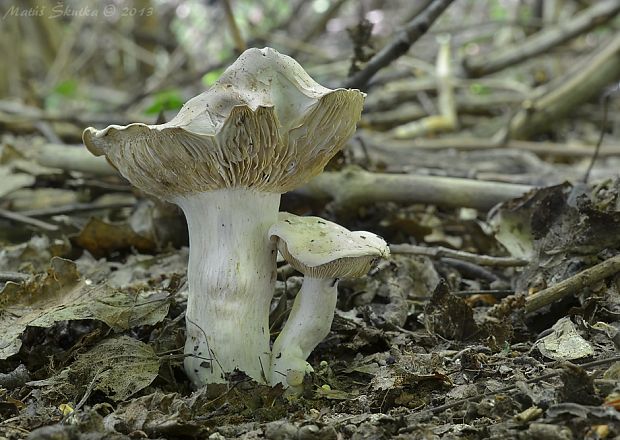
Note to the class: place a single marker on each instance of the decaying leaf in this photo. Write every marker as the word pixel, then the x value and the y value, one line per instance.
pixel 118 367
pixel 448 315
pixel 511 226
pixel 61 295
pixel 577 386
pixel 389 377
pixel 552 225
pixel 395 282
pixel 564 342
pixel 100 238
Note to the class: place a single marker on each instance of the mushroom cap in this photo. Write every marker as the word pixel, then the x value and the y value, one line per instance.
pixel 323 249
pixel 265 124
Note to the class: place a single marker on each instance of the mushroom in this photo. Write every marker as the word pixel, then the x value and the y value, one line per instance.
pixel 264 128
pixel 324 252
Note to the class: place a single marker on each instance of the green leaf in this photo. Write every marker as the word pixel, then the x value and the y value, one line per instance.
pixel 210 77
pixel 165 100
pixel 479 89
pixel 66 88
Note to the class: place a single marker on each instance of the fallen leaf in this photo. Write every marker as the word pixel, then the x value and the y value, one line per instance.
pixel 118 367
pixel 101 238
pixel 564 342
pixel 61 295
pixel 448 315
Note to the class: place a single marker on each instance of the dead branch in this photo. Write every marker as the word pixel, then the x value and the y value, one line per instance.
pixel 400 44
pixel 396 146
pixel 343 187
pixel 319 25
pixel 441 252
pixel 599 13
pixel 583 82
pixel 240 45
pixel 573 284
pixel 353 187
pixel 73 158
pixel 74 208
pixel 396 92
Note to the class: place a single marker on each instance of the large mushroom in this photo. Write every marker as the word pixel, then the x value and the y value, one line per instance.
pixel 264 128
pixel 324 252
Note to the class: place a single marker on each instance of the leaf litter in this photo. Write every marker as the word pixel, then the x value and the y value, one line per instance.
pixel 62 295
pixel 108 320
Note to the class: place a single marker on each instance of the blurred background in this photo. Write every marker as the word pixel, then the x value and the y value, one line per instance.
pixel 515 91
pixel 91 62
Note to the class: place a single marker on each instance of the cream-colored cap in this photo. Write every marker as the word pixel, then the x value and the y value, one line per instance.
pixel 265 124
pixel 323 249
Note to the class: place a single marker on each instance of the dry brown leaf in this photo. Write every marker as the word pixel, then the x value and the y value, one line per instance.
pixel 101 238
pixel 61 295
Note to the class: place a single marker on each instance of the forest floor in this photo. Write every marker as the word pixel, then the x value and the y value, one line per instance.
pixel 496 316
pixel 443 345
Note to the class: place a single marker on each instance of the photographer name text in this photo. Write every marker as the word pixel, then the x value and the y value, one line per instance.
pixel 61 9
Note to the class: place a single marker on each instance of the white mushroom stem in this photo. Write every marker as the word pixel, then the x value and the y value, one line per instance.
pixel 308 324
pixel 231 276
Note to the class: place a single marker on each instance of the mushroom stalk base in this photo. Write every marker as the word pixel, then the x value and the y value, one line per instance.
pixel 231 277
pixel 308 324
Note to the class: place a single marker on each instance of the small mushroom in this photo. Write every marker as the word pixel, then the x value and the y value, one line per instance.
pixel 324 252
pixel 264 128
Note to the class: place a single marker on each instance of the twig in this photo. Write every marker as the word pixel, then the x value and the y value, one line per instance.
pixel 441 252
pixel 573 284
pixel 597 149
pixel 416 8
pixel 319 25
pixel 353 187
pixel 99 184
pixel 471 270
pixel 72 208
pixel 47 131
pixel 16 277
pixel 392 147
pixel 493 292
pixel 232 26
pixel 599 13
pixel 21 218
pixel 87 393
pixel 23 113
pixel 393 92
pixel 400 44
pixel 563 150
